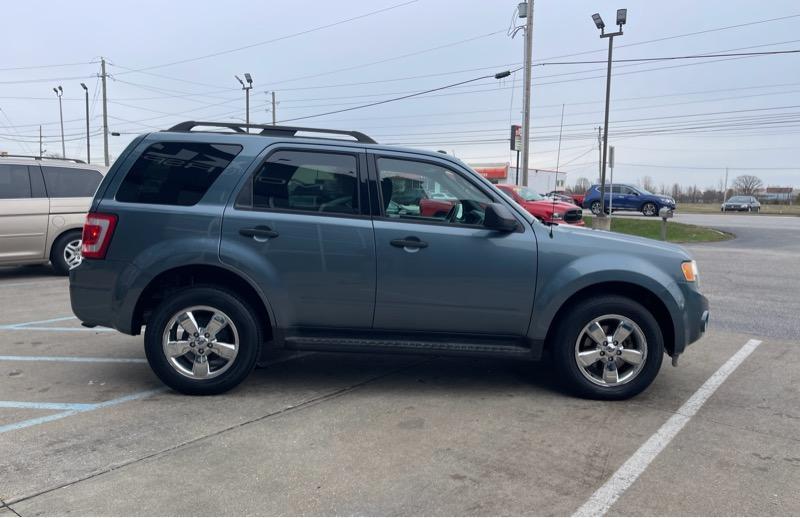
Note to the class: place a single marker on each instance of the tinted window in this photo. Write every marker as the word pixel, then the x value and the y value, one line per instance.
pixel 66 182
pixel 14 181
pixel 307 181
pixel 175 173
pixel 421 191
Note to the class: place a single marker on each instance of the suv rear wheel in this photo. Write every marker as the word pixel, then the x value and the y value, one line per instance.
pixel 66 252
pixel 608 347
pixel 595 208
pixel 202 341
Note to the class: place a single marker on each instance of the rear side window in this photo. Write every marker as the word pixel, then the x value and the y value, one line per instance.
pixel 14 181
pixel 175 173
pixel 69 182
pixel 307 181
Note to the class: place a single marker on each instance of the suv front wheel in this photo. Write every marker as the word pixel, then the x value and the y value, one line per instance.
pixel 608 347
pixel 202 341
pixel 650 209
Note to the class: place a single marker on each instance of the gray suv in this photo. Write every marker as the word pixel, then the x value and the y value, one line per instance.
pixel 224 241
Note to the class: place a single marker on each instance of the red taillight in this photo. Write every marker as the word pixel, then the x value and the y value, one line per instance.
pixel 97 232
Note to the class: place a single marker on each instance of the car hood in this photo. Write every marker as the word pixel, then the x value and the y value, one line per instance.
pixel 558 206
pixel 605 241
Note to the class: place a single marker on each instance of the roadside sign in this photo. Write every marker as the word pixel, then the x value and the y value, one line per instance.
pixel 611 156
pixel 516 137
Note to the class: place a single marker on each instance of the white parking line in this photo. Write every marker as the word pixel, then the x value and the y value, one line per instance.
pixel 71 409
pixel 69 359
pixel 602 499
pixel 32 326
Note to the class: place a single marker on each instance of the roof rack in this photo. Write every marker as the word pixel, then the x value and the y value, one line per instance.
pixel 76 160
pixel 269 130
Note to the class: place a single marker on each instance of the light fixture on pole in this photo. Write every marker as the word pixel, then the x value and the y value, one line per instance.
pixel 246 88
pixel 59 92
pixel 622 18
pixel 88 143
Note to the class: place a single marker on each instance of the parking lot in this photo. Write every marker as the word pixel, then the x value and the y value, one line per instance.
pixel 87 429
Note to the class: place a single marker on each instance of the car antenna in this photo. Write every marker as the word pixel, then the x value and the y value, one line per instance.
pixel 558 163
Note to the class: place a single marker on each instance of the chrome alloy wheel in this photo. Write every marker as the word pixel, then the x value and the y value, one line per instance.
pixel 72 254
pixel 200 342
pixel 611 350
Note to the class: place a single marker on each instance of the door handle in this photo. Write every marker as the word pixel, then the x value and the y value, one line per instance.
pixel 409 242
pixel 260 233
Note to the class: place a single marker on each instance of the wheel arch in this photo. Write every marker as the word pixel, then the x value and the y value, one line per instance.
pixel 174 279
pixel 636 292
pixel 59 235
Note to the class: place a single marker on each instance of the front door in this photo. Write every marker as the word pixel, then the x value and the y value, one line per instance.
pixel 300 230
pixel 23 216
pixel 439 269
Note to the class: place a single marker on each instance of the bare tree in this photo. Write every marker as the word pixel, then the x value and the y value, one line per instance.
pixel 677 191
pixel 647 183
pixel 581 185
pixel 747 184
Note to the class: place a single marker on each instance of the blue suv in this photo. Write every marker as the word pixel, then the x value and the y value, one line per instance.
pixel 627 197
pixel 223 242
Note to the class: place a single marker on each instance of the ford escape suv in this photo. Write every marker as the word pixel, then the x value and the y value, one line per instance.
pixel 43 204
pixel 223 241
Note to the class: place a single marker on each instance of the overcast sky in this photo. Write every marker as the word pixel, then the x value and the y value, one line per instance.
pixel 676 121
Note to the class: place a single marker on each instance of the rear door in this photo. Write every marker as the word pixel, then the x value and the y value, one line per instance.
pixel 300 227
pixel 23 216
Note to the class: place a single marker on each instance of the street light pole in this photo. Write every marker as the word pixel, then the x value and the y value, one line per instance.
pixel 59 92
pixel 526 96
pixel 246 89
pixel 622 15
pixel 88 143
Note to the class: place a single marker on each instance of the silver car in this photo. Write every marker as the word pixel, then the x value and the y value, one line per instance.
pixel 43 204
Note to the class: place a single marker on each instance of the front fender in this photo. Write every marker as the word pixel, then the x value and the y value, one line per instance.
pixel 558 283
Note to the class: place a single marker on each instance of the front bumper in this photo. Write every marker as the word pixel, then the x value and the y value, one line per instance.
pixel 696 317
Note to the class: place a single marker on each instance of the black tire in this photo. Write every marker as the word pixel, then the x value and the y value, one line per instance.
pixel 570 327
pixel 57 252
pixel 649 209
pixel 244 320
pixel 595 208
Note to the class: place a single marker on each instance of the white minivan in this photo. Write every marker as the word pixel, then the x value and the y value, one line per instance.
pixel 43 204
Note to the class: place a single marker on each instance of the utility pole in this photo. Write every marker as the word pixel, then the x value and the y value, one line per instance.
pixel 105 110
pixel 611 182
pixel 622 15
pixel 725 189
pixel 599 152
pixel 88 144
pixel 246 89
pixel 41 148
pixel 273 108
pixel 59 92
pixel 526 101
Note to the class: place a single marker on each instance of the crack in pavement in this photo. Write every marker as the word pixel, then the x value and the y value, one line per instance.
pixel 300 406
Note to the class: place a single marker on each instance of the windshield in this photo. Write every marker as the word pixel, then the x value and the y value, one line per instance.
pixel 644 191
pixel 528 194
pixel 739 199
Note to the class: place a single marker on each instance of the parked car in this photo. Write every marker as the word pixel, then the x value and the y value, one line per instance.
pixel 559 196
pixel 224 246
pixel 43 204
pixel 741 204
pixel 621 197
pixel 546 210
pixel 577 199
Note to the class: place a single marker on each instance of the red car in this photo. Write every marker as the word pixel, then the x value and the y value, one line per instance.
pixel 545 210
pixel 577 198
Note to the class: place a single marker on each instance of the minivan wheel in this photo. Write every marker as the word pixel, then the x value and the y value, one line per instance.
pixel 608 347
pixel 649 209
pixel 202 341
pixel 66 252
pixel 595 208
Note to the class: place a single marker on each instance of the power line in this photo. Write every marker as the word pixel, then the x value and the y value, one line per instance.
pixel 274 40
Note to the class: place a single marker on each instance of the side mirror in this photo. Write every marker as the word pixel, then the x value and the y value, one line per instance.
pixel 498 217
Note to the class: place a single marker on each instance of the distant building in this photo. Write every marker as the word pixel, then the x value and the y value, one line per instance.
pixel 778 194
pixel 541 180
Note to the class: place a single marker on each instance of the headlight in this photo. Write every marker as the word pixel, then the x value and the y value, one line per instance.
pixel 689 269
pixel 556 215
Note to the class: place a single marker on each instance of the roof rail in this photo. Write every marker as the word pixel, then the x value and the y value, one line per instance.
pixel 76 160
pixel 269 130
